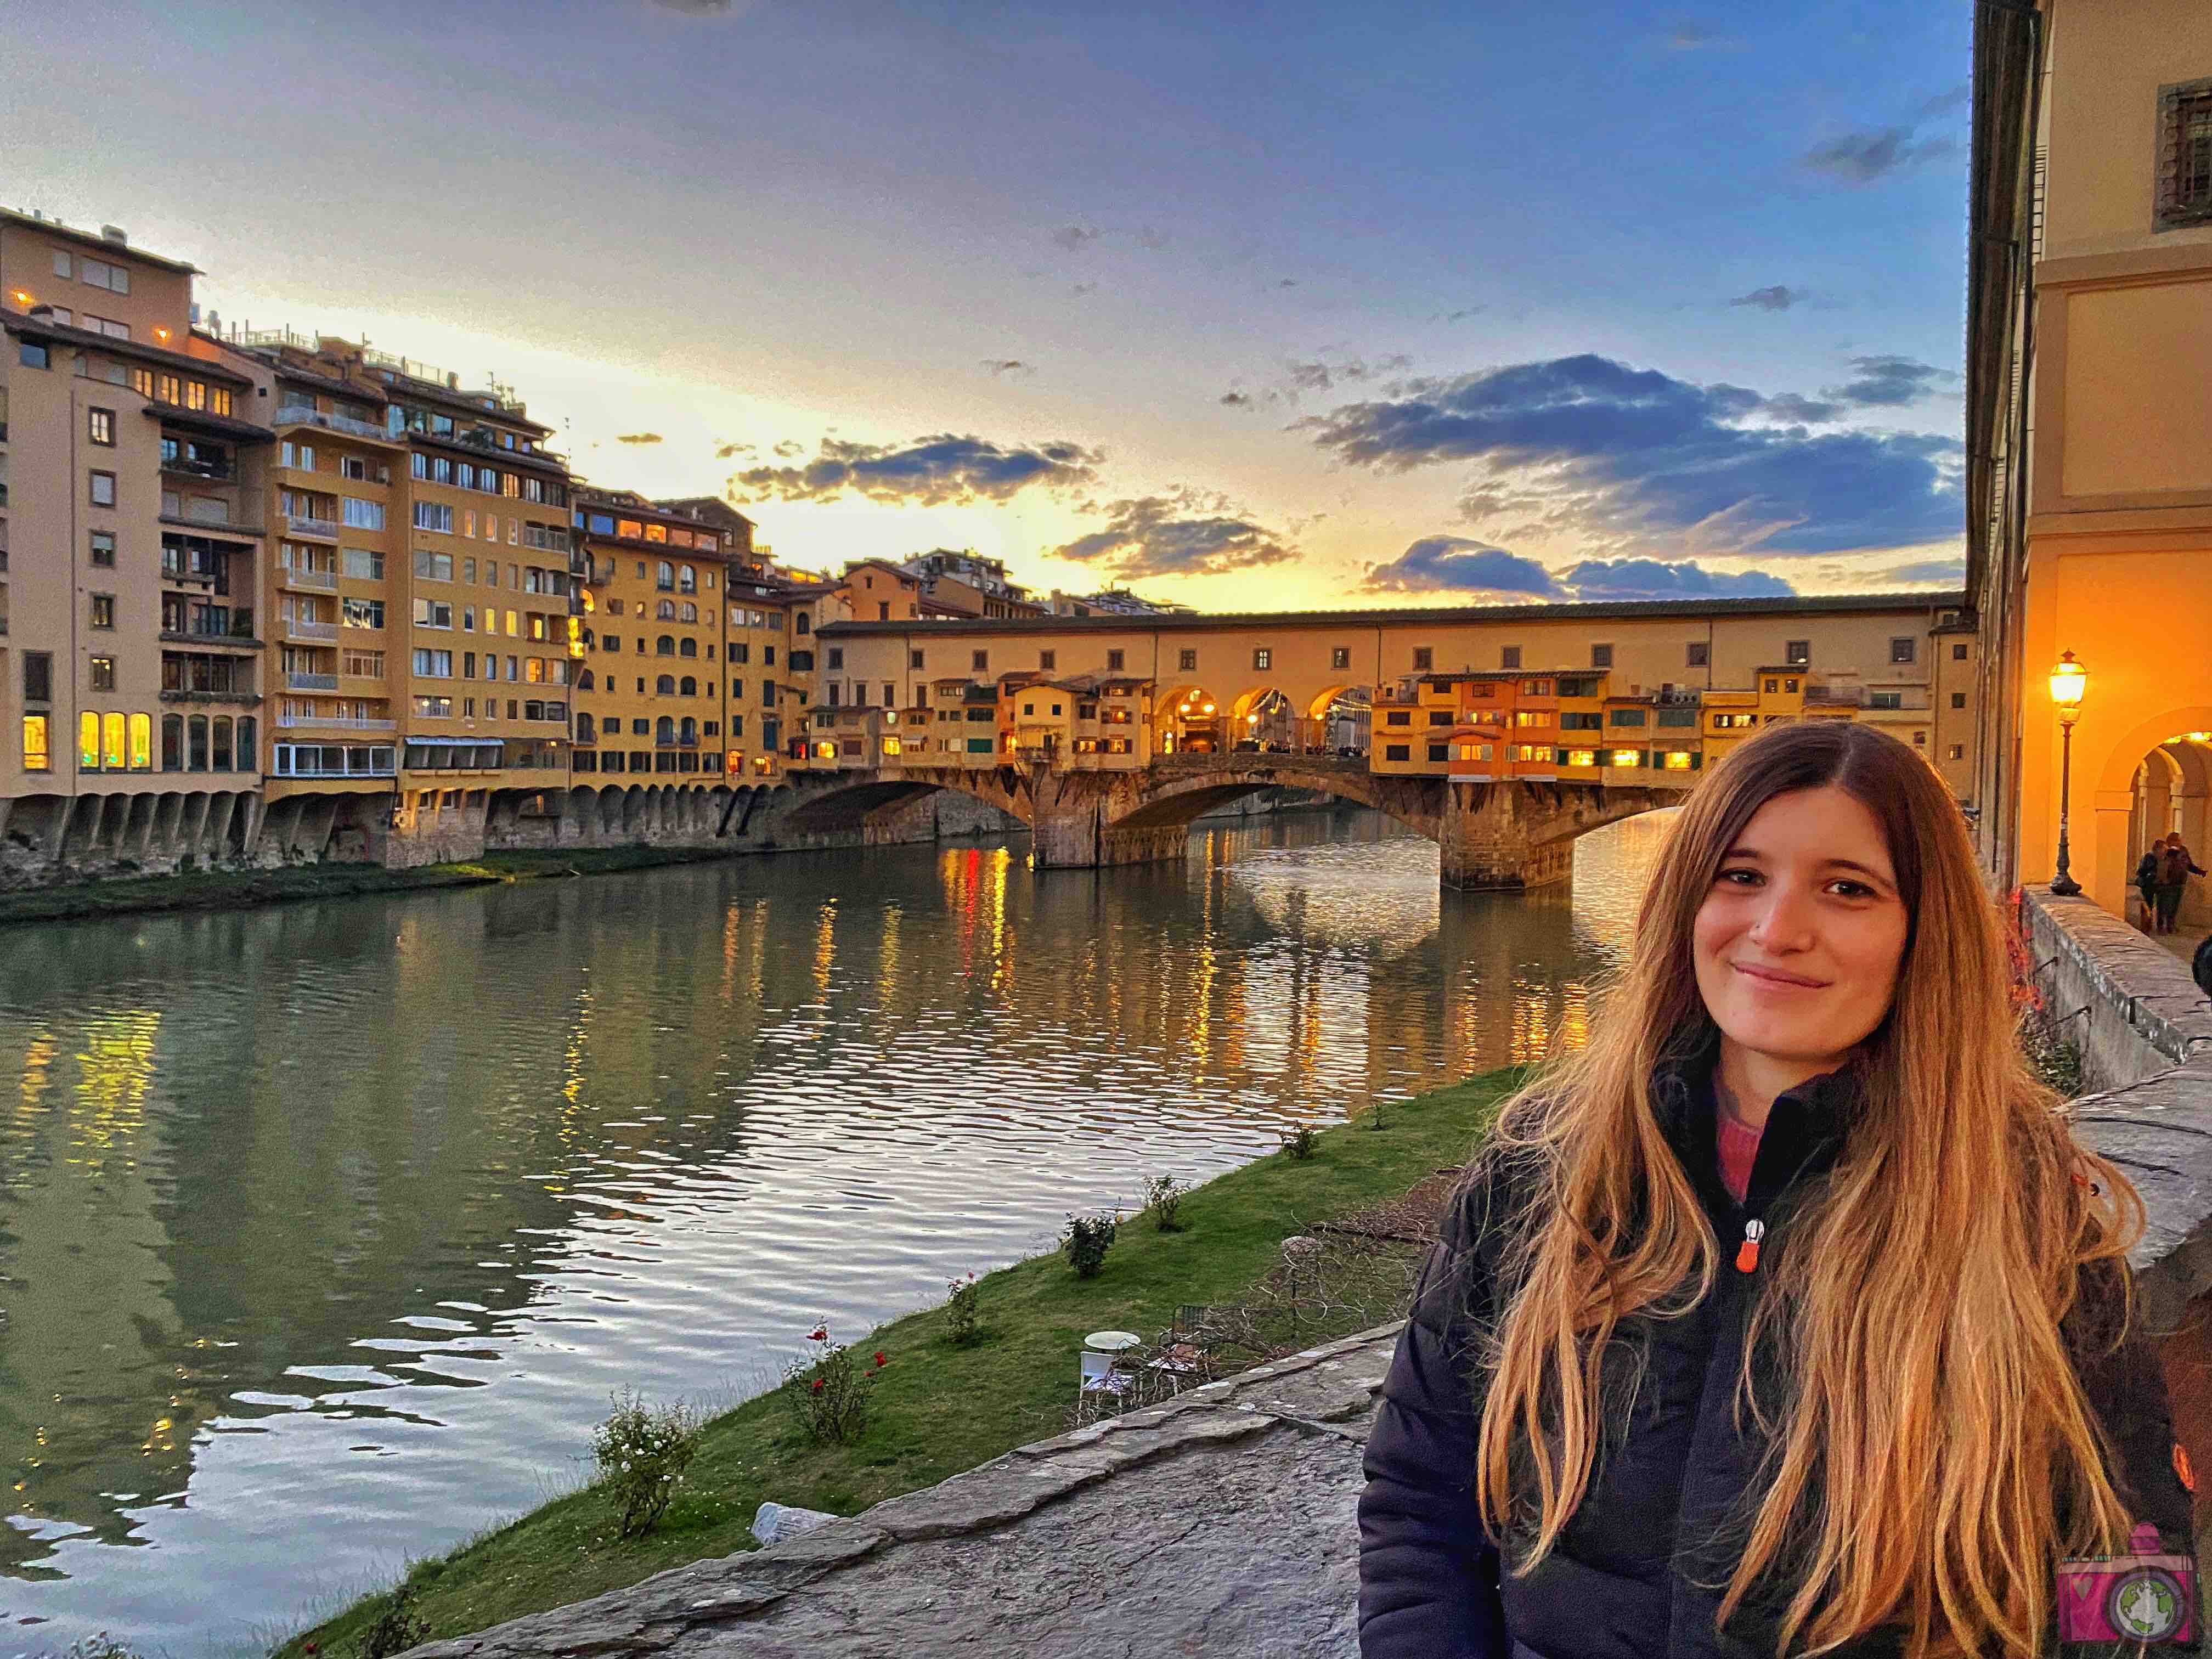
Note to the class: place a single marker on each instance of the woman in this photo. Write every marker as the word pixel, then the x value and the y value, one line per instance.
pixel 1786 1317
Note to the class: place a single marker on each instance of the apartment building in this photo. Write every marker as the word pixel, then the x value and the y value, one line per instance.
pixel 132 466
pixel 965 583
pixel 651 691
pixel 420 565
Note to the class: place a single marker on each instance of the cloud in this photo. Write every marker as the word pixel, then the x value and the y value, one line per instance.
pixel 1149 237
pixel 1073 238
pixel 1944 102
pixel 1946 573
pixel 1185 532
pixel 1788 406
pixel 1656 579
pixel 1319 375
pixel 1085 288
pixel 1691 37
pixel 1860 158
pixel 790 448
pixel 1438 564
pixel 1598 449
pixel 725 451
pixel 1463 313
pixel 1773 298
pixel 637 438
pixel 1237 399
pixel 1886 382
pixel 696 8
pixel 1007 366
pixel 931 472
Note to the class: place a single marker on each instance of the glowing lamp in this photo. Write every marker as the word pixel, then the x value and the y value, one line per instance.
pixel 2068 680
pixel 22 296
pixel 1208 708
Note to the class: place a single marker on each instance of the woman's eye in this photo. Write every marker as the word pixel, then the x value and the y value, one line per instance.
pixel 1853 889
pixel 1739 877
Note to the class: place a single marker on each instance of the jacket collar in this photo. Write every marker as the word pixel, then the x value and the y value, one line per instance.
pixel 1806 1128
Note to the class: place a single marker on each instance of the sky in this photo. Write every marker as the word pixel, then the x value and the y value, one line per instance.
pixel 1244 307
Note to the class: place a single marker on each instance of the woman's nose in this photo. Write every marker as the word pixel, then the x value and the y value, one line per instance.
pixel 1784 921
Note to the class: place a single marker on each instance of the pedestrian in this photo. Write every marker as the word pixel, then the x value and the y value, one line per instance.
pixel 2146 884
pixel 2175 867
pixel 1726 1349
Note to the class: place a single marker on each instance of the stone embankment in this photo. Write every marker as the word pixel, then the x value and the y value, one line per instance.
pixel 1221 1523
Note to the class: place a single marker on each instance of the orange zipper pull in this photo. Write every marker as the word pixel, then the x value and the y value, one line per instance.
pixel 1746 1254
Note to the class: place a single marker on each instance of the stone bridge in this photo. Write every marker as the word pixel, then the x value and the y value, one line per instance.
pixel 1504 836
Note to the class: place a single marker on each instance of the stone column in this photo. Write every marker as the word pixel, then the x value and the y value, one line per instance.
pixel 1484 841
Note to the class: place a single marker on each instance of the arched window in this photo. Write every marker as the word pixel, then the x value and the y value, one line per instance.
pixel 221 742
pixel 664 647
pixel 196 743
pixel 249 745
pixel 665 610
pixel 687 580
pixel 142 743
pixel 687 647
pixel 665 576
pixel 665 685
pixel 687 612
pixel 589 637
pixel 688 732
pixel 688 686
pixel 172 743
pixel 584 730
pixel 664 730
pixel 586 681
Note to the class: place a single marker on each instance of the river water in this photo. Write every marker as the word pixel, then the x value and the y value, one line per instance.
pixel 327 1230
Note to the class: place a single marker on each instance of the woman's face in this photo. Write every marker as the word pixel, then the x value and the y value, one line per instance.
pixel 1799 939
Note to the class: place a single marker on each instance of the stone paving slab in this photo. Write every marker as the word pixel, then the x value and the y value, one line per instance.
pixel 1223 1522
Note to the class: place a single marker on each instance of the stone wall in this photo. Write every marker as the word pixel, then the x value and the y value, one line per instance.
pixel 2124 998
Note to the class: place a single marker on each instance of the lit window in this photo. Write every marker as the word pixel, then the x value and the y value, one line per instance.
pixel 1626 757
pixel 100 426
pixel 87 742
pixel 142 743
pixel 1582 758
pixel 36 757
pixel 103 673
pixel 1678 759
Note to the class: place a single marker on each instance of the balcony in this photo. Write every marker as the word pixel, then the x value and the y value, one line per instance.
pixel 297 627
pixel 321 529
pixel 220 472
pixel 298 415
pixel 298 682
pixel 234 628
pixel 239 695
pixel 319 581
pixel 339 722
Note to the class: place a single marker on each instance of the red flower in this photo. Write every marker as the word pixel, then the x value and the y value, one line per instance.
pixel 880 1360
pixel 312 1647
pixel 818 1385
pixel 820 1333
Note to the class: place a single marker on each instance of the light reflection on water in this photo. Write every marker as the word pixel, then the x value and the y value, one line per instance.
pixel 327 1230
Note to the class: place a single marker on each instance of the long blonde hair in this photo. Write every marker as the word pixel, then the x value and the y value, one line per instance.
pixel 1932 1452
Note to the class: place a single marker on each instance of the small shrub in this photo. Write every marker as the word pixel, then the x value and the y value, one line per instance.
pixel 2055 1061
pixel 1375 1119
pixel 1301 1141
pixel 1163 1196
pixel 641 1453
pixel 396 1629
pixel 100 1646
pixel 963 1309
pixel 830 1389
pixel 1086 1241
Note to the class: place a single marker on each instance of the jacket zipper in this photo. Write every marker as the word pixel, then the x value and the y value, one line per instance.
pixel 1746 1254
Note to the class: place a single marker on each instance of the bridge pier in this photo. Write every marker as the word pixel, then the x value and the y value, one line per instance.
pixel 1508 837
pixel 1082 838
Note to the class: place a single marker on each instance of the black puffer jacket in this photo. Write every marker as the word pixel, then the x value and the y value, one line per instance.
pixel 1636 1572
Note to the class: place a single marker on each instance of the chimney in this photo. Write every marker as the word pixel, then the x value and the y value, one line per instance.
pixel 114 233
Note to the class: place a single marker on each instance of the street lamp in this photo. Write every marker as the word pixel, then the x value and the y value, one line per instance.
pixel 2068 680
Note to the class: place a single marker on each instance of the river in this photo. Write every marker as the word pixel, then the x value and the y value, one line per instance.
pixel 327 1230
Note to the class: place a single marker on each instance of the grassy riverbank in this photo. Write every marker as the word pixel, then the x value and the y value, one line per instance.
pixel 231 891
pixel 939 1407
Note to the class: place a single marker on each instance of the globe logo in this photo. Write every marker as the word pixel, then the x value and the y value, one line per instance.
pixel 2146 1605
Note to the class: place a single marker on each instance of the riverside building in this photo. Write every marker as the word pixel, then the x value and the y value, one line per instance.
pixel 133 464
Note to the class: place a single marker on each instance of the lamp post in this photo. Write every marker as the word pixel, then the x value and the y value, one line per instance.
pixel 2068 682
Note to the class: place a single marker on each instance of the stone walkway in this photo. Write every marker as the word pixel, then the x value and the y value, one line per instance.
pixel 1221 1523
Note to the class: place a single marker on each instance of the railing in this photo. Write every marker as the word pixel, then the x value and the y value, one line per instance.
pixel 326 528
pixel 299 627
pixel 676 743
pixel 293 576
pixel 238 626
pixel 547 541
pixel 346 722
pixel 220 472
pixel 300 415
pixel 296 681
